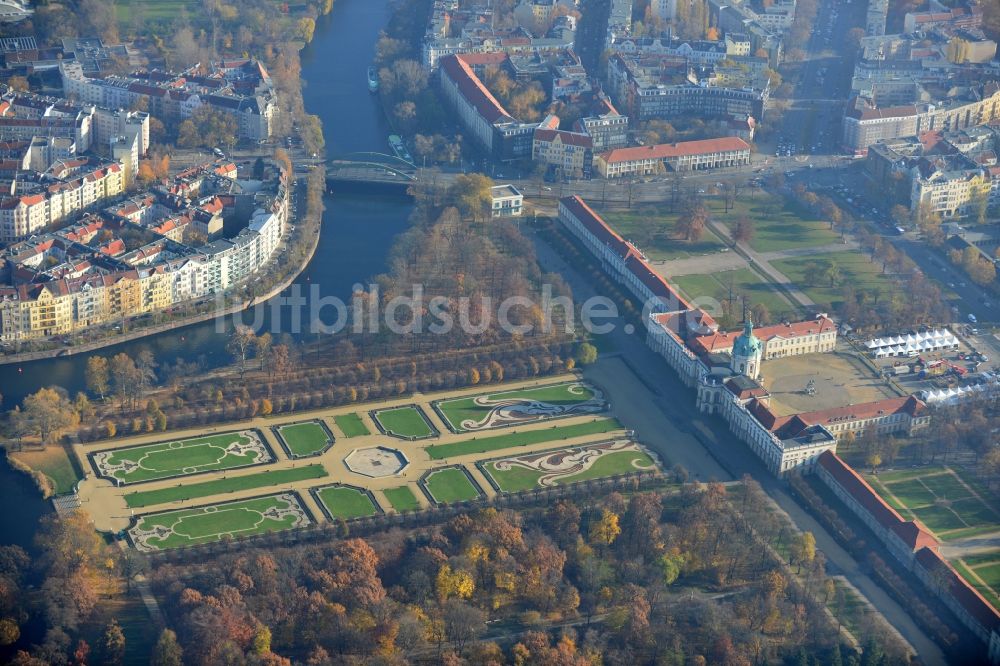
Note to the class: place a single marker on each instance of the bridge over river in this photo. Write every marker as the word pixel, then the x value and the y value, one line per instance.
pixel 368 167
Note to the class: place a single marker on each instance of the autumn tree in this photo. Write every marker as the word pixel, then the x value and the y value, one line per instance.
pixel 97 375
pixel 743 233
pixel 241 342
pixel 113 644
pixel 167 651
pixel 48 412
pixel 471 194
pixel 605 529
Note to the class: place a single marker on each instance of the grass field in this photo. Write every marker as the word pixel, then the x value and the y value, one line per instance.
pixel 949 506
pixel 351 425
pixel 227 485
pixel 564 466
pixel 983 573
pixel 407 422
pixel 152 10
pixel 809 275
pixel 490 410
pixel 500 442
pixel 187 527
pixel 305 439
pixel 55 463
pixel 402 498
pixel 651 228
pixel 162 460
pixel 779 223
pixel 450 485
pixel 345 502
pixel 744 282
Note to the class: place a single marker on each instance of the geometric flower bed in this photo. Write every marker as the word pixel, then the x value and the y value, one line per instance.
pixel 187 527
pixel 163 460
pixel 565 466
pixel 508 408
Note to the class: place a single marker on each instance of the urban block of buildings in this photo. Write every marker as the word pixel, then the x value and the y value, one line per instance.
pixel 144 254
pixel 468 28
pixel 941 77
pixel 955 174
pixel 239 88
pixel 504 137
pixel 653 83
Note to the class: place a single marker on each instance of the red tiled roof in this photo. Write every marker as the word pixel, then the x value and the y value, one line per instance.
pixel 887 112
pixel 629 254
pixel 472 89
pixel 867 410
pixel 570 138
pixel 912 534
pixel 967 596
pixel 724 341
pixel 668 150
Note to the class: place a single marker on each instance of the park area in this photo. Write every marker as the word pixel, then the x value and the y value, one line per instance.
pixel 823 276
pixel 507 408
pixel 566 466
pixel 949 505
pixel 778 223
pixel 345 502
pixel 335 465
pixel 307 438
pixel 407 422
pixel 449 485
pixel 738 284
pixel 187 527
pixel 163 460
pixel 652 229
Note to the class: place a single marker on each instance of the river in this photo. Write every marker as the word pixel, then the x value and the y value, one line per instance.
pixel 358 227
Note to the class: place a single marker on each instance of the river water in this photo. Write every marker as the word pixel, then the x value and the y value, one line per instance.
pixel 358 227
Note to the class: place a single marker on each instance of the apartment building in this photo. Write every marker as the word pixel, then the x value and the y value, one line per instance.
pixel 571 152
pixel 241 89
pixel 71 187
pixel 88 274
pixel 728 151
pixel 665 86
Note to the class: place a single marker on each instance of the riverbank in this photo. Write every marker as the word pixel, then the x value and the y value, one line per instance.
pixel 25 357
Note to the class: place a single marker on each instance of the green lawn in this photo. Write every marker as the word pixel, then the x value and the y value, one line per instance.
pixel 499 442
pixel 152 10
pixel 519 478
pixel 988 580
pixel 187 527
pixel 162 460
pixel 402 498
pixel 54 462
pixel 407 422
pixel 779 223
pixel 450 485
pixel 227 485
pixel 740 283
pixel 305 439
pixel 651 228
pixel 351 425
pixel 345 502
pixel 480 412
pixel 939 498
pixel 809 274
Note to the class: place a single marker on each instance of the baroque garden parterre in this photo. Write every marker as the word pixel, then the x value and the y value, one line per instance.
pixel 402 455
